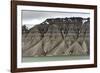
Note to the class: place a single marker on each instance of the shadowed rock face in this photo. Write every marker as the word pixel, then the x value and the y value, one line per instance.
pixel 57 36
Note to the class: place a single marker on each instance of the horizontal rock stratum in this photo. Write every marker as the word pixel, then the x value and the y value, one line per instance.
pixel 57 36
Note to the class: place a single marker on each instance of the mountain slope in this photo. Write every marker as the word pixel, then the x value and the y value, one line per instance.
pixel 57 36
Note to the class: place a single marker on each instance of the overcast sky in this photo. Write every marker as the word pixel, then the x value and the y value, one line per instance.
pixel 31 18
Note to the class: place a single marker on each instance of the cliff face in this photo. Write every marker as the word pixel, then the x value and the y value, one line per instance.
pixel 57 36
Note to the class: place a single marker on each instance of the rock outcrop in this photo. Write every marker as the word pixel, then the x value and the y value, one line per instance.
pixel 57 36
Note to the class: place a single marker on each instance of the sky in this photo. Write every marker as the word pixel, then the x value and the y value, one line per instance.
pixel 31 18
